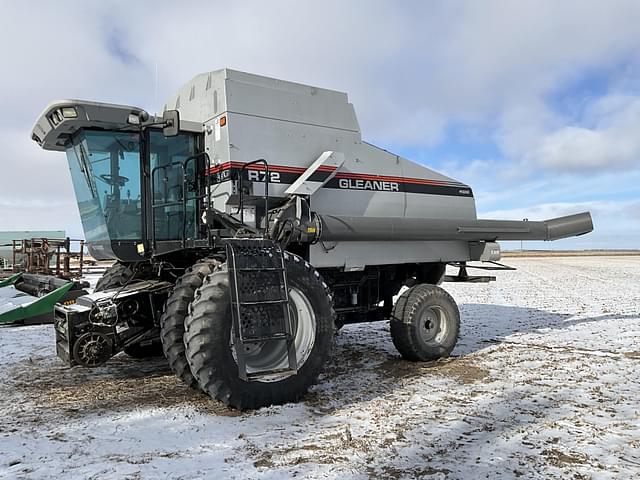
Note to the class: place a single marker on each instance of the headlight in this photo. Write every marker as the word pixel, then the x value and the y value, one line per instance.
pixel 69 112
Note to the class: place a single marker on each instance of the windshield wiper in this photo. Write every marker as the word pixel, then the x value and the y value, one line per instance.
pixel 85 167
pixel 122 145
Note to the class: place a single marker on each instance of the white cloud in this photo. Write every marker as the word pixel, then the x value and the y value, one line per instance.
pixel 35 187
pixel 606 137
pixel 41 216
pixel 616 224
pixel 576 148
pixel 412 69
pixel 547 211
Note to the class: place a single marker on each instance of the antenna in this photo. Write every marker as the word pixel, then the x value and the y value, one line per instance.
pixel 155 90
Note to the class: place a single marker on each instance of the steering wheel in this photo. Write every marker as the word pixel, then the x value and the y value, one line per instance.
pixel 113 180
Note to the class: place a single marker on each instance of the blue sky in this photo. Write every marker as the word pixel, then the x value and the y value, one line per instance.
pixel 535 104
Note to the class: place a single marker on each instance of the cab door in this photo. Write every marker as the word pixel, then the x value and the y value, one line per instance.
pixel 175 173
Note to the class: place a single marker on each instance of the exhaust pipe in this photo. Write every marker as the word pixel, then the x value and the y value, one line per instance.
pixel 338 228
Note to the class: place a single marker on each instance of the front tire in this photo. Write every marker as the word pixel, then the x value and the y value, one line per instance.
pixel 425 323
pixel 211 355
pixel 174 314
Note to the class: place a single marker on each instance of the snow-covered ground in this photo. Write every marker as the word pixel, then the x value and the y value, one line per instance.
pixel 544 383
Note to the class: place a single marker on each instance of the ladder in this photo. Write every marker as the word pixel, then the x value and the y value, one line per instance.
pixel 259 302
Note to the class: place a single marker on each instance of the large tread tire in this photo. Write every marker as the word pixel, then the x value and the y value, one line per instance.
pixel 175 311
pixel 210 354
pixel 115 276
pixel 411 336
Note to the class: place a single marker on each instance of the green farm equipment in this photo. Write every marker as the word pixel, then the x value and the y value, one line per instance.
pixel 27 299
pixel 42 276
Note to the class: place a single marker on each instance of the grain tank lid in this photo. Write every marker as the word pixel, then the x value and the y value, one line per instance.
pixel 210 94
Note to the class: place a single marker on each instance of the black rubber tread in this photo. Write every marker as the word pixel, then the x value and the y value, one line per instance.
pixel 405 318
pixel 210 356
pixel 175 311
pixel 115 276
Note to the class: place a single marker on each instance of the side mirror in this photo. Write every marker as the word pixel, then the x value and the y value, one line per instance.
pixel 171 121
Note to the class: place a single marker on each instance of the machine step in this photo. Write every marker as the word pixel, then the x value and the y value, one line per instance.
pixel 259 301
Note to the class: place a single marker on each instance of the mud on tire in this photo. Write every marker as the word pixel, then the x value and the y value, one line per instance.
pixel 211 354
pixel 425 323
pixel 173 317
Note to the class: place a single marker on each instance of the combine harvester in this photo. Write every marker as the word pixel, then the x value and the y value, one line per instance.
pixel 250 222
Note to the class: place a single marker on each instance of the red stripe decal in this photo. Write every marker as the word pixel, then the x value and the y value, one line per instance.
pixel 345 175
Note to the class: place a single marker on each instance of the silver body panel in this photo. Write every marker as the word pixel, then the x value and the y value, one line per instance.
pixel 291 125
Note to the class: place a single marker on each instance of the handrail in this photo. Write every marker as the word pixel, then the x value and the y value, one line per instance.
pixel 197 180
pixel 266 191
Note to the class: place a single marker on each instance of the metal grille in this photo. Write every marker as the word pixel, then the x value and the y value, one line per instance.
pixel 259 299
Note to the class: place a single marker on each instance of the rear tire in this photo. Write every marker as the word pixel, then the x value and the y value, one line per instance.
pixel 425 323
pixel 174 314
pixel 211 354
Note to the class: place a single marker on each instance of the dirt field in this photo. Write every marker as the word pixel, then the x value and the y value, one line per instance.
pixel 570 253
pixel 544 383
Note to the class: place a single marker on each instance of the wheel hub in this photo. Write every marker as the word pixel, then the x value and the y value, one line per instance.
pixel 272 355
pixel 432 325
pixel 92 349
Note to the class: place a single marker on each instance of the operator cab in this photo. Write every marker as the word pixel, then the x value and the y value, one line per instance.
pixel 135 186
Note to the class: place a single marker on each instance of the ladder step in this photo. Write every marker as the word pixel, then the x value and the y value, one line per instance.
pixel 266 338
pixel 262 302
pixel 259 299
pixel 256 375
pixel 259 269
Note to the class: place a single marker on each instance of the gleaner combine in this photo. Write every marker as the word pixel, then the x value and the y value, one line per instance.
pixel 251 221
